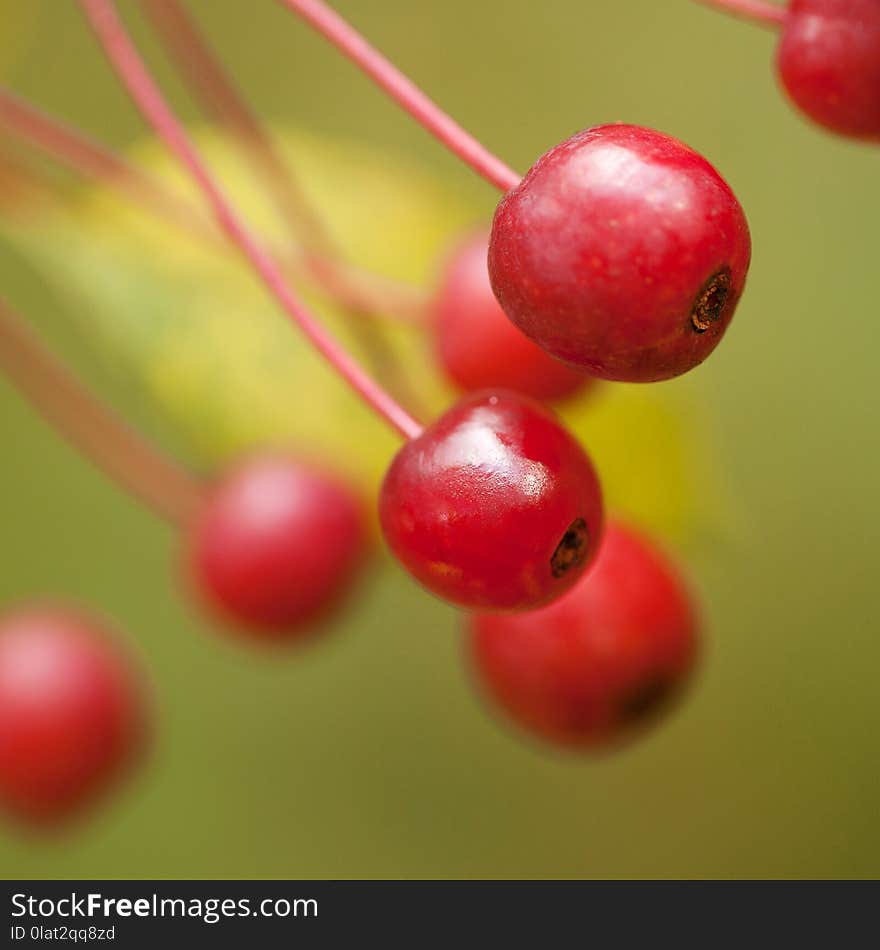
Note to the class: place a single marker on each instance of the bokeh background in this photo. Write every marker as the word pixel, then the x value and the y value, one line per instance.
pixel 371 754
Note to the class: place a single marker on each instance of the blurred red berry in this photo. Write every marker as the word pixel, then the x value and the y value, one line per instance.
pixel 623 252
pixel 277 546
pixel 829 63
pixel 478 347
pixel 601 660
pixel 494 506
pixel 72 713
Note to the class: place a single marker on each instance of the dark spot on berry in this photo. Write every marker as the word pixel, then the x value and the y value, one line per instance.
pixel 710 301
pixel 645 699
pixel 572 549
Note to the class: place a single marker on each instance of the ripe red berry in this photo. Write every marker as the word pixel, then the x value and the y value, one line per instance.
pixel 478 347
pixel 72 713
pixel 829 63
pixel 277 546
pixel 623 252
pixel 494 506
pixel 593 665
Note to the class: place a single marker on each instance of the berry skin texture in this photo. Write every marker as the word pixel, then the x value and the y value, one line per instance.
pixel 478 347
pixel 829 63
pixel 622 252
pixel 277 547
pixel 601 661
pixel 495 506
pixel 72 714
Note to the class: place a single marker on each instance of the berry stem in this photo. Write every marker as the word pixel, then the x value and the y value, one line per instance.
pixel 759 11
pixel 214 86
pixel 407 95
pixel 94 160
pixel 132 71
pixel 211 83
pixel 78 151
pixel 97 432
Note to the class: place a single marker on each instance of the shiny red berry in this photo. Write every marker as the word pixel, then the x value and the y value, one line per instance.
pixel 829 63
pixel 72 713
pixel 277 546
pixel 623 252
pixel 601 660
pixel 494 506
pixel 478 347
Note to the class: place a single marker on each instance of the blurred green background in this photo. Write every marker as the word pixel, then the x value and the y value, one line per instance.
pixel 370 754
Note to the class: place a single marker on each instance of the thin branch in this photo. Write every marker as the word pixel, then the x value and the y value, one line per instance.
pixel 404 92
pixel 131 70
pixel 97 432
pixel 82 154
pixel 758 11
pixel 220 95
pixel 210 81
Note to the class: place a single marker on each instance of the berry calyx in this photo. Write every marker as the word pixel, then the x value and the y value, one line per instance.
pixel 622 252
pixel 600 661
pixel 478 347
pixel 495 506
pixel 829 63
pixel 72 713
pixel 277 546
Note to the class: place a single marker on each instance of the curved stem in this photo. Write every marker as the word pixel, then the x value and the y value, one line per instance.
pixel 94 430
pixel 444 128
pixel 759 11
pixel 86 156
pixel 211 83
pixel 73 148
pixel 133 73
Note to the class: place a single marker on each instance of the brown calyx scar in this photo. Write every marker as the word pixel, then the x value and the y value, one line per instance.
pixel 572 549
pixel 710 301
pixel 646 699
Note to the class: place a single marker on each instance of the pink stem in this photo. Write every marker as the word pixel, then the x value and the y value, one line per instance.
pixel 131 70
pixel 102 436
pixel 218 91
pixel 213 86
pixel 83 154
pixel 352 45
pixel 73 148
pixel 760 11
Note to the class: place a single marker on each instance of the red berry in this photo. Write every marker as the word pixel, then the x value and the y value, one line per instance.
pixel 277 545
pixel 593 665
pixel 494 506
pixel 72 715
pixel 478 347
pixel 829 63
pixel 623 252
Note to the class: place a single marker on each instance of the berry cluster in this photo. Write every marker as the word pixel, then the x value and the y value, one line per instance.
pixel 621 255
